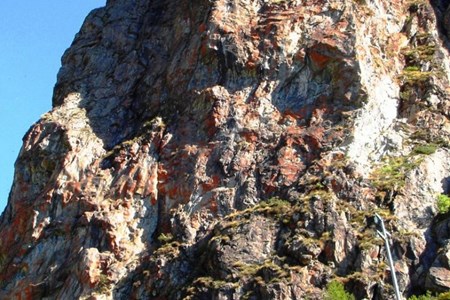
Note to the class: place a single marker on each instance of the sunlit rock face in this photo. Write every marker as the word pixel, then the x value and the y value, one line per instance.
pixel 233 149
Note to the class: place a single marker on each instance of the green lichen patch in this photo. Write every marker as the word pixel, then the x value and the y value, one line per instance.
pixel 391 174
pixel 171 249
pixel 165 238
pixel 103 284
pixel 267 272
pixel 415 75
pixel 210 282
pixel 425 149
pixel 274 207
pixel 423 53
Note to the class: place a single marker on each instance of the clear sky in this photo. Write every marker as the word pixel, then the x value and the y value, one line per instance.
pixel 33 37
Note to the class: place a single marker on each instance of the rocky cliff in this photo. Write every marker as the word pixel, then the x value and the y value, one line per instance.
pixel 237 149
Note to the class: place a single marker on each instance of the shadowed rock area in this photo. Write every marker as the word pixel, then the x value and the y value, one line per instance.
pixel 237 150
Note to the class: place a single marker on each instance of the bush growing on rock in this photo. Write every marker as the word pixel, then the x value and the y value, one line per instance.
pixel 443 203
pixel 335 291
pixel 428 296
pixel 425 149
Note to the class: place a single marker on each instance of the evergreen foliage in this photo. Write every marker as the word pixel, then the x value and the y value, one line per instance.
pixel 335 291
pixel 443 203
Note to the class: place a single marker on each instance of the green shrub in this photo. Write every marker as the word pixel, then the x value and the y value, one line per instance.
pixel 335 291
pixel 444 296
pixel 165 238
pixel 425 149
pixel 392 174
pixel 412 69
pixel 103 283
pixel 428 296
pixel 443 203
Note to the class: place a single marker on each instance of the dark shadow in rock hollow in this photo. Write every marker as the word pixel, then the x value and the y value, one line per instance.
pixel 446 185
pixel 436 236
pixel 442 12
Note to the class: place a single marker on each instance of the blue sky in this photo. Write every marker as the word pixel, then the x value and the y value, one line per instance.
pixel 33 37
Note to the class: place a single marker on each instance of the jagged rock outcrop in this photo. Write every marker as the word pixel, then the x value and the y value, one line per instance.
pixel 237 149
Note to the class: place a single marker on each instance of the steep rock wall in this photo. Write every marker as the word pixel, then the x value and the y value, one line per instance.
pixel 228 149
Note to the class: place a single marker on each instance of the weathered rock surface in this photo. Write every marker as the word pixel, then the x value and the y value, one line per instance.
pixel 237 149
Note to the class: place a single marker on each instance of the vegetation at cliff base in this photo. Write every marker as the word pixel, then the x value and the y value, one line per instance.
pixel 443 203
pixel 392 173
pixel 425 149
pixel 428 296
pixel 336 291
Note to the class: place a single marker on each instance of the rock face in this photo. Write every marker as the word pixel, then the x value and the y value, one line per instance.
pixel 237 149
